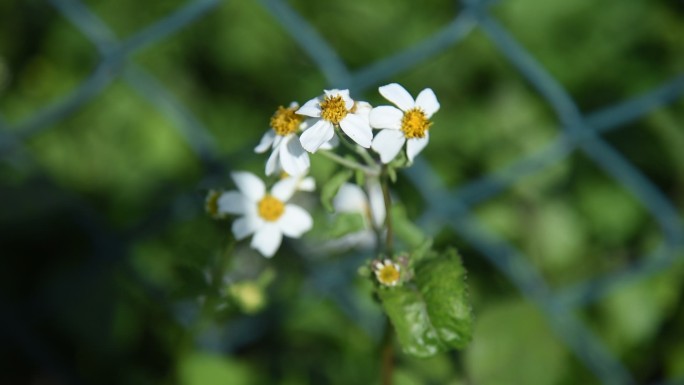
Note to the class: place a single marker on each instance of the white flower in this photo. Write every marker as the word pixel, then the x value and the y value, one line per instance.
pixel 288 153
pixel 407 124
pixel 351 198
pixel 267 215
pixel 387 272
pixel 336 108
pixel 303 183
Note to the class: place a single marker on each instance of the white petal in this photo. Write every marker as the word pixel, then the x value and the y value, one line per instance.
pixel 386 117
pixel 416 145
pixel 295 221
pixel 350 198
pixel 332 143
pixel 427 101
pixel 348 102
pixel 233 202
pixel 316 135
pixel 244 226
pixel 311 108
pixel 388 143
pixel 293 158
pixel 362 108
pixel 377 203
pixel 278 139
pixel 285 188
pixel 273 162
pixel 266 141
pixel 358 129
pixel 397 95
pixel 267 239
pixel 249 185
pixel 307 184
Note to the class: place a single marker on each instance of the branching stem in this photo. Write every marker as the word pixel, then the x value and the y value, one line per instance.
pixel 374 172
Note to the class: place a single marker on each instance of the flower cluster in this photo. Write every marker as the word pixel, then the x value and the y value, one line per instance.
pixel 319 125
pixel 317 121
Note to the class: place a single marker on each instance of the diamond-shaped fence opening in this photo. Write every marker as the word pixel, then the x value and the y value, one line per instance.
pixel 577 132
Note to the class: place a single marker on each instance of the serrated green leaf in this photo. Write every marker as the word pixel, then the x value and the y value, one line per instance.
pixel 442 282
pixel 431 314
pixel 407 311
pixel 330 188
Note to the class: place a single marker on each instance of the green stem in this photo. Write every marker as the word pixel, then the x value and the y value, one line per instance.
pixel 388 210
pixel 387 355
pixel 357 149
pixel 349 163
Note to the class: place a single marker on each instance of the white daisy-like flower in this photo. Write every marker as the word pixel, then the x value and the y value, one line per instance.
pixel 334 109
pixel 407 124
pixel 303 183
pixel 387 272
pixel 287 153
pixel 267 215
pixel 351 198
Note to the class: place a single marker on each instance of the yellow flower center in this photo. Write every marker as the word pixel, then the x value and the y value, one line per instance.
pixel 415 123
pixel 211 204
pixel 333 109
pixel 285 121
pixel 271 208
pixel 388 274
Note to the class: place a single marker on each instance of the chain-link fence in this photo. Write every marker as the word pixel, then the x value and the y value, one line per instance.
pixel 578 132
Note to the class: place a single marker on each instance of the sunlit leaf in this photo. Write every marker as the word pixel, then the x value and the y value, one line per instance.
pixel 431 314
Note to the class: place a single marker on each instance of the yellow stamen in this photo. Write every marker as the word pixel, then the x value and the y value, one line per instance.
pixel 415 124
pixel 285 121
pixel 333 109
pixel 271 208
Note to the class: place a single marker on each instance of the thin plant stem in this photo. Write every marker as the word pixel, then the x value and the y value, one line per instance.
pixel 387 355
pixel 357 149
pixel 387 352
pixel 388 210
pixel 350 163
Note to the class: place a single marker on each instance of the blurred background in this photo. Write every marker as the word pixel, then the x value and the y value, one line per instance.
pixel 555 167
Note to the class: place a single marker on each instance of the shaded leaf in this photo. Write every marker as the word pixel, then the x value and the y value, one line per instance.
pixel 405 229
pixel 330 188
pixel 346 223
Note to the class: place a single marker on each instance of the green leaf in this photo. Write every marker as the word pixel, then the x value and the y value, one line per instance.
pixel 360 177
pixel 346 223
pixel 209 369
pixel 431 314
pixel 392 173
pixel 330 188
pixel 515 345
pixel 405 229
pixel 421 251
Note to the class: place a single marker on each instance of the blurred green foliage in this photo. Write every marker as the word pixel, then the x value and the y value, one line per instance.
pixel 113 275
